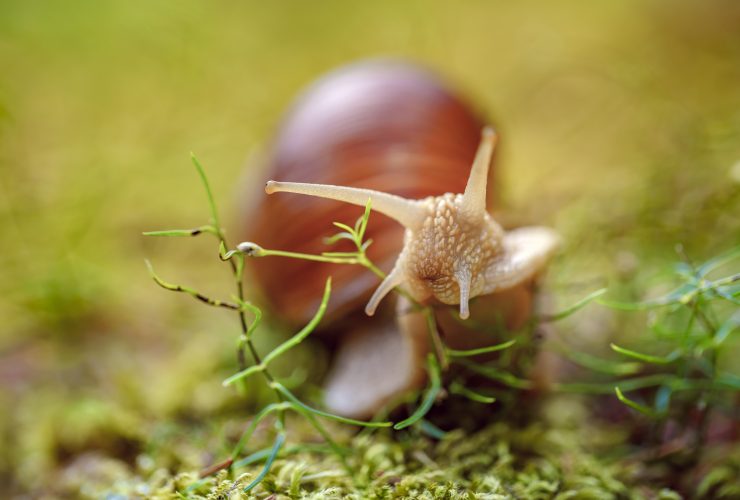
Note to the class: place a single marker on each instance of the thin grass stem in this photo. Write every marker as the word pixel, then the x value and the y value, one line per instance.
pixel 634 405
pixel 461 390
pixel 288 344
pixel 435 384
pixel 572 309
pixel 290 397
pixel 279 440
pixel 482 350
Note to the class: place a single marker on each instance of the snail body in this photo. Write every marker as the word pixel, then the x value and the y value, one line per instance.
pixel 413 163
pixel 382 125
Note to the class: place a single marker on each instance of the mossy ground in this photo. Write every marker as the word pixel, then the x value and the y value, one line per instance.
pixel 619 128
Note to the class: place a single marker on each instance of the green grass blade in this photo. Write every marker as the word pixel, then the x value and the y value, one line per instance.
pixel 431 430
pixel 627 384
pixel 257 456
pixel 678 295
pixel 435 384
pixel 306 331
pixel 575 307
pixel 635 406
pixel 724 331
pixel 663 398
pixel 497 375
pixel 483 350
pixel 350 231
pixel 603 365
pixel 728 293
pixel 331 240
pixel 727 381
pixel 209 193
pixel 262 454
pixel 363 220
pixel 461 390
pixel 290 397
pixel 189 291
pixel 249 431
pixel 288 344
pixel 247 372
pixel 338 450
pixel 182 232
pixel 647 358
pixel 718 261
pixel 279 440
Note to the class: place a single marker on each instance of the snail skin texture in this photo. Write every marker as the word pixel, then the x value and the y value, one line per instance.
pixel 365 131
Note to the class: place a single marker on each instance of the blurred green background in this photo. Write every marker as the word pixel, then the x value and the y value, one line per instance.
pixel 619 126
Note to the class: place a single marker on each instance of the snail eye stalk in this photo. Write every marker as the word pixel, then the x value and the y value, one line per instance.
pixel 474 198
pixel 409 213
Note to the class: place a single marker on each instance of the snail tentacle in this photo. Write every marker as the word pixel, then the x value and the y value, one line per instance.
pixel 474 198
pixel 408 213
pixel 463 279
pixel 394 278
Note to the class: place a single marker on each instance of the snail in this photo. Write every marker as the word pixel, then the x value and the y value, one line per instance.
pixel 393 133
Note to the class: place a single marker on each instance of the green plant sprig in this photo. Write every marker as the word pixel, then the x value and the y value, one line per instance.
pixel 691 365
pixel 356 235
pixel 288 344
pixel 237 267
pixel 443 355
pixel 286 399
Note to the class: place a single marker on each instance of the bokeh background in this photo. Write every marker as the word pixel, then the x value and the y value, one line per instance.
pixel 619 126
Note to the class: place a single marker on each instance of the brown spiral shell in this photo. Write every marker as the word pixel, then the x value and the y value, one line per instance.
pixel 384 125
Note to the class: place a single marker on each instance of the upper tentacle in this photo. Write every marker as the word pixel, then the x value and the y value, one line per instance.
pixel 409 213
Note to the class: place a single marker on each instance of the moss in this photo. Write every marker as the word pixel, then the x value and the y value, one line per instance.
pixel 539 460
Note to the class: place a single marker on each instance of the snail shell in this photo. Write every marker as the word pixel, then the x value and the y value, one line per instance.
pixel 382 125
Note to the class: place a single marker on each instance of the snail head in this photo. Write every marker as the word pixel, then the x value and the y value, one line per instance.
pixel 453 249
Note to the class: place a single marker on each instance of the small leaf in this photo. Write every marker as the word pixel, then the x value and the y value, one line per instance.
pixel 189 291
pixel 498 375
pixel 249 431
pixel 288 344
pixel 239 269
pixel 727 380
pixel 209 194
pixel 431 430
pixel 663 398
pixel 279 440
pixel 635 406
pixel 603 365
pixel 482 350
pixel 461 390
pixel 345 227
pixel 718 261
pixel 659 360
pixel 182 232
pixel 685 270
pixel 724 331
pixel 300 405
pixel 435 384
pixel 575 307
pixel 729 293
pixel 680 294
pixel 364 219
pixel 331 240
